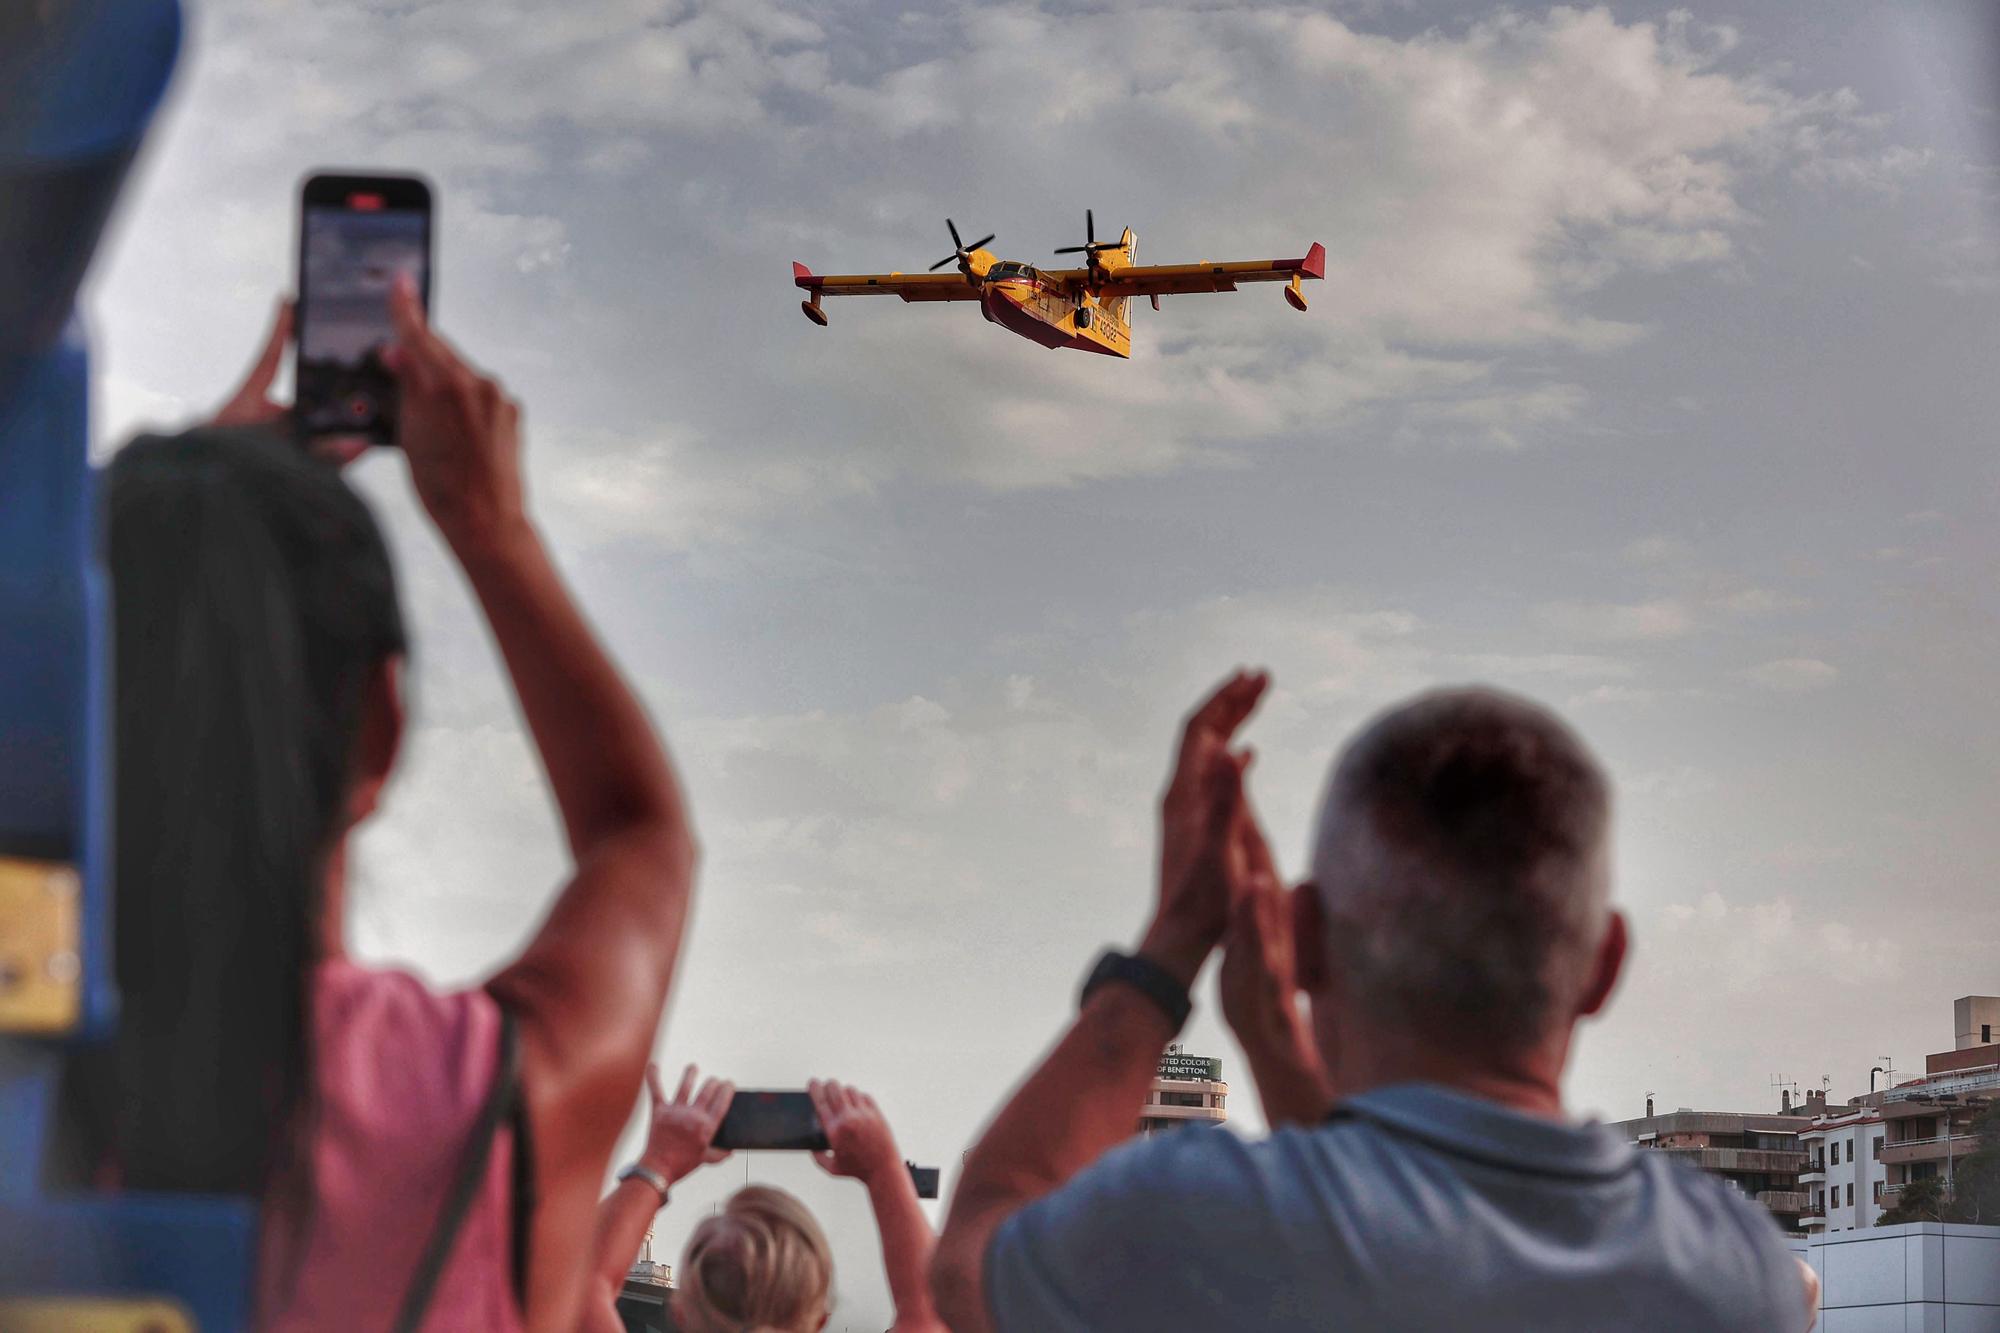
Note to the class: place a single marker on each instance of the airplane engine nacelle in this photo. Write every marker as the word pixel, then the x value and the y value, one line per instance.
pixel 813 311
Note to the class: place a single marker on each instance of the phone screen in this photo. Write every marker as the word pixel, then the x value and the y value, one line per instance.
pixel 357 234
pixel 770 1120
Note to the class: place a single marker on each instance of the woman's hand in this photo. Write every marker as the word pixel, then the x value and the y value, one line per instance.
pixel 459 429
pixel 682 1134
pixel 252 404
pixel 860 1144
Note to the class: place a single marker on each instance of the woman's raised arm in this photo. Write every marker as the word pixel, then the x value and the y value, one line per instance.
pixel 588 990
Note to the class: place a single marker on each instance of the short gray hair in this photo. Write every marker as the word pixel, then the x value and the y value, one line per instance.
pixel 1462 859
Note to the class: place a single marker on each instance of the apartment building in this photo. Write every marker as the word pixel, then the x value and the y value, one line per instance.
pixel 1844 1179
pixel 1928 1121
pixel 1759 1154
pixel 1863 1155
pixel 1187 1089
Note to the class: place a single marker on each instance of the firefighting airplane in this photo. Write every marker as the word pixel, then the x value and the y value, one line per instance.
pixel 1083 308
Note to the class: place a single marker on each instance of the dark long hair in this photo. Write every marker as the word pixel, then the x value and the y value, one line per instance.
pixel 255 603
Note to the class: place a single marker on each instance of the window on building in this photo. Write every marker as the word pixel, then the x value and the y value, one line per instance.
pixel 1878 1191
pixel 1985 1034
pixel 1878 1147
pixel 1850 1196
pixel 1836 1154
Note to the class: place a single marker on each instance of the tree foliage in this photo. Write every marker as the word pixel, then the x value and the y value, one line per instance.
pixel 1919 1201
pixel 1976 1187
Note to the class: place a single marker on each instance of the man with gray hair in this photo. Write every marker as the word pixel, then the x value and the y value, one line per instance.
pixel 1421 1172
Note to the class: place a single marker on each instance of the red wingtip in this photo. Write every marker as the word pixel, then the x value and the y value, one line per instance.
pixel 1314 264
pixel 801 274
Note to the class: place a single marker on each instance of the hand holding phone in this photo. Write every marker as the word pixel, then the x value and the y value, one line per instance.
pixel 461 433
pixel 251 404
pixel 681 1133
pixel 859 1142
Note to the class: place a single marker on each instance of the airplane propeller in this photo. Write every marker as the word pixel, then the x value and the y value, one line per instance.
pixel 1091 246
pixel 961 253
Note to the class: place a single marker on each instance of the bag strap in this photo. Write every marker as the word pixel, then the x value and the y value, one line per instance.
pixel 465 1185
pixel 524 1197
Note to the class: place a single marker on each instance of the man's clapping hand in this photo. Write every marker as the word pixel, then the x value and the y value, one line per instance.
pixel 1197 816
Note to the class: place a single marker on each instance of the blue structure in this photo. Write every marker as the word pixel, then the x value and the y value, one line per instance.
pixel 79 83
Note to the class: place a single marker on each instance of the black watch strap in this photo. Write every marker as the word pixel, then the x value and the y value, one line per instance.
pixel 1147 977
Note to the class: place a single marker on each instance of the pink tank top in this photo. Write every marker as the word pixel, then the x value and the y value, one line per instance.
pixel 400 1073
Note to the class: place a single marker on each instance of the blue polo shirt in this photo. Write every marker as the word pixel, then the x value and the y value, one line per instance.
pixel 1415 1207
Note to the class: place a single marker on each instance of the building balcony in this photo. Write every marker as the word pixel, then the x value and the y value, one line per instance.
pixel 1814 1174
pixel 1936 1148
pixel 1767 1161
pixel 1924 1097
pixel 1787 1203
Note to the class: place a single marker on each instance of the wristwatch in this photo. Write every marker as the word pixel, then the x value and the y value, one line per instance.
pixel 1147 977
pixel 640 1171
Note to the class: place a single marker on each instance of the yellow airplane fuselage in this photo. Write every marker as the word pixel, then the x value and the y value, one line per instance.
pixel 1053 317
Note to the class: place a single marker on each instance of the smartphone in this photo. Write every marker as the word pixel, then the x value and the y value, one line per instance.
pixel 356 234
pixel 770 1120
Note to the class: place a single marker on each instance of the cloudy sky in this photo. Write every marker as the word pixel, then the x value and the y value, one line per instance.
pixel 1651 375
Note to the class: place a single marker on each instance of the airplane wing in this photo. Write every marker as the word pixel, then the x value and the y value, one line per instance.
pixel 1174 279
pixel 910 286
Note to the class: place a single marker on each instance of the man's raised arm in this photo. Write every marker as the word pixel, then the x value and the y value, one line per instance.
pixel 1085 1097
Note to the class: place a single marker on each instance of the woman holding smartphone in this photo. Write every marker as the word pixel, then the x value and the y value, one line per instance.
pixel 423 1159
pixel 762 1263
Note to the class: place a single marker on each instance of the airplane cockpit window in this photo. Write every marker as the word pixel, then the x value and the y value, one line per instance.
pixel 1011 269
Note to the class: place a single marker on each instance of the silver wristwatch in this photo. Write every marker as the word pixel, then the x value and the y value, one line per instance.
pixel 640 1171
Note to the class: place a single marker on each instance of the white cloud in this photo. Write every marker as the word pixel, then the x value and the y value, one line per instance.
pixel 1507 419
pixel 1618 622
pixel 675 491
pixel 1742 946
pixel 1793 674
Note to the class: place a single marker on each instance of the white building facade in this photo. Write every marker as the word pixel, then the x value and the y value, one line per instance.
pixel 1920 1277
pixel 1844 1180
